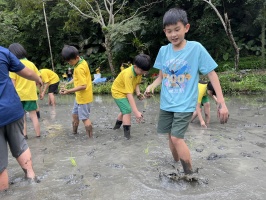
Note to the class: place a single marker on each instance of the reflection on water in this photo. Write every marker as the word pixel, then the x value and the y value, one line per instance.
pixel 230 157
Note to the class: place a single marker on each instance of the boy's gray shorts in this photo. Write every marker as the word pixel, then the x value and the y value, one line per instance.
pixel 13 135
pixel 82 110
pixel 174 123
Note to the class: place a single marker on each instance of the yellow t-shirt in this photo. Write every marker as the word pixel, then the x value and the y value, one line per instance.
pixel 82 76
pixel 125 83
pixel 48 76
pixel 202 91
pixel 25 88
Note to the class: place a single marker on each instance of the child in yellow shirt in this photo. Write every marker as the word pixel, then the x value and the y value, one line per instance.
pixel 26 89
pixel 123 88
pixel 82 89
pixel 205 89
pixel 50 82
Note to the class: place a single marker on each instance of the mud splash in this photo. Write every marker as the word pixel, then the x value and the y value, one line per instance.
pixel 231 157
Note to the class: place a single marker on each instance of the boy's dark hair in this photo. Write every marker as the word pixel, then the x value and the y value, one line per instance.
pixel 210 87
pixel 174 15
pixel 143 62
pixel 69 52
pixel 18 50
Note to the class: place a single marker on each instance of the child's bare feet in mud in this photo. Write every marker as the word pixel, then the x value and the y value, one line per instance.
pixel 33 180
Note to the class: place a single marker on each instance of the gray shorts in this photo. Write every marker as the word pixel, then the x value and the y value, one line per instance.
pixel 13 135
pixel 82 110
pixel 174 123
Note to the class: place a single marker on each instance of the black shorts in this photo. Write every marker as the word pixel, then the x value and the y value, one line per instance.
pixel 53 88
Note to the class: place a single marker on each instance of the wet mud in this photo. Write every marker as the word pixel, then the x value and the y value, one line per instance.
pixel 230 159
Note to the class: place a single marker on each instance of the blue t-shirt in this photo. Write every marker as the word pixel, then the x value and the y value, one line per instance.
pixel 10 106
pixel 179 91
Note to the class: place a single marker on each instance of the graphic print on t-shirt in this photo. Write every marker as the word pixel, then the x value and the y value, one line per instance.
pixel 176 75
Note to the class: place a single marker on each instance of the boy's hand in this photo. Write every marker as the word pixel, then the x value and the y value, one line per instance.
pixel 41 96
pixel 63 91
pixel 141 96
pixel 222 113
pixel 149 92
pixel 139 117
pixel 203 125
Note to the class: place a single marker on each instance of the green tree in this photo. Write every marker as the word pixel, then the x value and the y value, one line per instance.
pixel 115 19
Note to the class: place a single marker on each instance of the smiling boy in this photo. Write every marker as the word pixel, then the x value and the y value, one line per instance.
pixel 180 63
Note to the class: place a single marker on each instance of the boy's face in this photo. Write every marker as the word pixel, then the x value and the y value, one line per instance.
pixel 139 71
pixel 73 62
pixel 176 34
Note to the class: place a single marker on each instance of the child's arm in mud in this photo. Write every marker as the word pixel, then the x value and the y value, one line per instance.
pixel 222 111
pixel 198 110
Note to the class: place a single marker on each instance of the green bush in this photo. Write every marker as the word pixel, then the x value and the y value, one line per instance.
pixel 236 83
pixel 250 62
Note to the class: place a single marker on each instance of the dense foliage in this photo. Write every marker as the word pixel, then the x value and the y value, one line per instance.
pixel 23 21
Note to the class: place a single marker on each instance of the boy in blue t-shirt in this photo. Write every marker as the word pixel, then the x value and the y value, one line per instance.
pixel 180 63
pixel 11 117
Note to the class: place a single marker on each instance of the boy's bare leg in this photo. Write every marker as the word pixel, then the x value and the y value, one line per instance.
pixel 207 111
pixel 25 162
pixel 35 121
pixel 75 123
pixel 184 154
pixel 51 99
pixel 88 127
pixel 173 149
pixel 4 180
pixel 127 119
pixel 120 116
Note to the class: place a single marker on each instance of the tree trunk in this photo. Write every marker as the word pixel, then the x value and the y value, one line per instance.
pixel 263 29
pixel 48 36
pixel 227 28
pixel 109 54
pixel 232 40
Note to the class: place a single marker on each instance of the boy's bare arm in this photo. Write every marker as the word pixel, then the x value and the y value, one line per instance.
pixel 198 110
pixel 134 107
pixel 43 90
pixel 222 111
pixel 72 90
pixel 155 83
pixel 137 90
pixel 138 93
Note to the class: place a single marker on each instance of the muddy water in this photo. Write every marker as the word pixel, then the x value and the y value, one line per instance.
pixel 231 158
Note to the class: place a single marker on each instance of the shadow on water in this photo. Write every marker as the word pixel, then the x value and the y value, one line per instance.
pixel 231 158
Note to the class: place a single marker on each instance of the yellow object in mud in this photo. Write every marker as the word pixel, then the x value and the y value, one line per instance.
pixel 73 162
